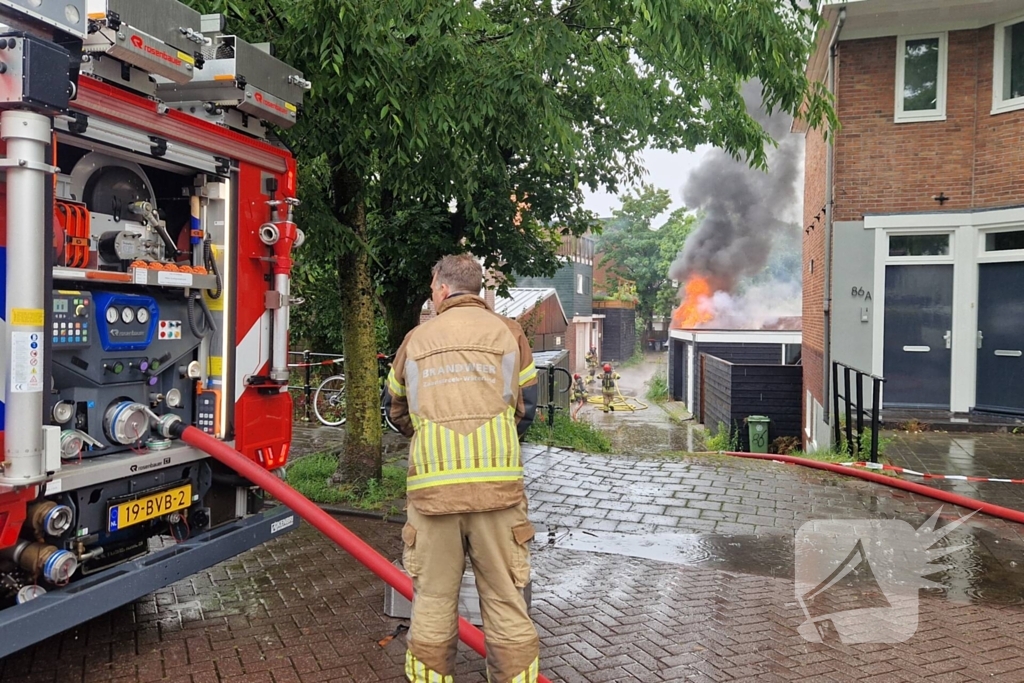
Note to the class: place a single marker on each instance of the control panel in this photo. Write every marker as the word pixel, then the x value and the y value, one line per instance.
pixel 126 322
pixel 72 319
pixel 207 410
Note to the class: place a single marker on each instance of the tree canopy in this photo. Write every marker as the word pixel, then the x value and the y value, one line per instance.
pixel 440 126
pixel 633 249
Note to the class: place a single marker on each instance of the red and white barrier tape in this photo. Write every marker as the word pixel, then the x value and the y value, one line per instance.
pixel 913 473
pixel 313 365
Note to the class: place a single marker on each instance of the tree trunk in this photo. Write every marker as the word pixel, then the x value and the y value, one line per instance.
pixel 361 457
pixel 401 314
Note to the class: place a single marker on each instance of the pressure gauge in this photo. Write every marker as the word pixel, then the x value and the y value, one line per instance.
pixel 173 398
pixel 127 315
pixel 143 315
pixel 112 315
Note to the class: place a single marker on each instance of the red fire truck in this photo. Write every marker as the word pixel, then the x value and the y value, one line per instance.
pixel 146 231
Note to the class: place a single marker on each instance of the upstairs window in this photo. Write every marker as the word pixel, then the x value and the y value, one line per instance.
pixel 921 78
pixel 1008 67
pixel 918 245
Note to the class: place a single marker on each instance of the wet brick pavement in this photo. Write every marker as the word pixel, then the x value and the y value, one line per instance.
pixel 709 494
pixel 969 454
pixel 299 610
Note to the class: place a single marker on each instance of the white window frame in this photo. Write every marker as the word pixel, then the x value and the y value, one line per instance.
pixel 998 256
pixel 939 113
pixel 948 258
pixel 1000 105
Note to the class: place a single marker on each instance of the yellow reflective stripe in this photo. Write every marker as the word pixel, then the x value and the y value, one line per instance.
pixel 438 449
pixel 394 386
pixel 440 456
pixel 496 474
pixel 491 436
pixel 528 373
pixel 417 672
pixel 530 674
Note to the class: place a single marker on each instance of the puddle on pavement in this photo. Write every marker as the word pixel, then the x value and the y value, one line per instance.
pixel 988 570
pixel 647 432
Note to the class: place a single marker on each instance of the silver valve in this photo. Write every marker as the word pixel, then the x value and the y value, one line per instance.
pixel 293 79
pixel 164 424
pixel 195 36
pixel 73 441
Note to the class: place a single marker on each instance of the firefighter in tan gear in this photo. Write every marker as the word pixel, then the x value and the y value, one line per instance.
pixel 463 386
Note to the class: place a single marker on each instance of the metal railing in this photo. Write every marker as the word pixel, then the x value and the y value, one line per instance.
pixel 320 364
pixel 854 446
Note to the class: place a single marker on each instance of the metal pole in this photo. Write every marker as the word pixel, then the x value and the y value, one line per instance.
pixel 307 390
pixel 27 135
pixel 860 408
pixel 836 428
pixel 849 416
pixel 551 396
pixel 876 386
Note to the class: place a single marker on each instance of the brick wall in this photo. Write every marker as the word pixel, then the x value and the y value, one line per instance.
pixel 813 322
pixel 974 158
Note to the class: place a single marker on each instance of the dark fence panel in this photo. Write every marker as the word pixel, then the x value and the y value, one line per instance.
pixel 619 342
pixel 733 392
pixel 677 369
pixel 717 399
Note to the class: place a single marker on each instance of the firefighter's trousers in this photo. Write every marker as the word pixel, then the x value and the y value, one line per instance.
pixel 435 557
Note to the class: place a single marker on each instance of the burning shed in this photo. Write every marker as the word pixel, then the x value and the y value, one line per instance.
pixel 769 346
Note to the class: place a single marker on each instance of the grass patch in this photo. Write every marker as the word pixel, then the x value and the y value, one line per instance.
pixel 579 436
pixel 723 439
pixel 657 388
pixel 824 455
pixel 311 476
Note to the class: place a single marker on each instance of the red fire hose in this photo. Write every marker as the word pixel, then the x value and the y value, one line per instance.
pixel 327 525
pixel 938 494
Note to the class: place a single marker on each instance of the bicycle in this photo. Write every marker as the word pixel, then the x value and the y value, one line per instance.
pixel 329 399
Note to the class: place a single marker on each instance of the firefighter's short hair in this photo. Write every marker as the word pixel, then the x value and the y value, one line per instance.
pixel 461 272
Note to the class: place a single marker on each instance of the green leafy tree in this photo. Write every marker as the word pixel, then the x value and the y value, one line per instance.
pixel 632 248
pixel 474 125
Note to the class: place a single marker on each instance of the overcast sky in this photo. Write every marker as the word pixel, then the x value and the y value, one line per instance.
pixel 664 170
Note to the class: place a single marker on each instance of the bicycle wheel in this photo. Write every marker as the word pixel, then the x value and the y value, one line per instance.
pixel 385 414
pixel 329 401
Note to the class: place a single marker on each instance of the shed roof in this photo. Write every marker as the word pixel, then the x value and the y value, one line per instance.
pixel 521 300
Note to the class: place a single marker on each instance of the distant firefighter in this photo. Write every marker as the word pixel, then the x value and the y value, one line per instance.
pixel 579 394
pixel 592 364
pixel 608 387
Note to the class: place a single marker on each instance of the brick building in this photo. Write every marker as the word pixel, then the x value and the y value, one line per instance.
pixel 915 269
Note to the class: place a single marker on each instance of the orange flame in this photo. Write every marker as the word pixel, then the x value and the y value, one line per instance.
pixel 696 309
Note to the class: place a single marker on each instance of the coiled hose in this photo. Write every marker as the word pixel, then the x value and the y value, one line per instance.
pixel 211 264
pixel 210 325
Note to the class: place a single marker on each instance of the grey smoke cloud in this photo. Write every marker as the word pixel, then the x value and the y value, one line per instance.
pixel 746 210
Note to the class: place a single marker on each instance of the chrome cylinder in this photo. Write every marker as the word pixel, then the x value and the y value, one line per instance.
pixel 279 363
pixel 27 135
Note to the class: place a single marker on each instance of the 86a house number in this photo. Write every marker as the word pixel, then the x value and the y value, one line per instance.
pixel 861 293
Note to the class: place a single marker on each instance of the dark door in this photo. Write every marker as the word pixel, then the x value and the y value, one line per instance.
pixel 1001 337
pixel 918 330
